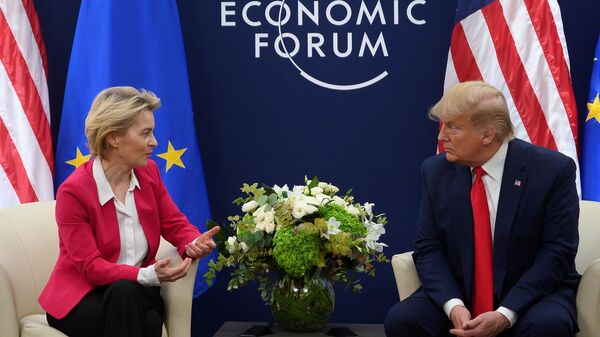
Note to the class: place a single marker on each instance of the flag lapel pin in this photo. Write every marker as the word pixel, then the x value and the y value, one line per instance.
pixel 517 183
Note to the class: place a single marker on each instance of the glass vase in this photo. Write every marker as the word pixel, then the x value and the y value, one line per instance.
pixel 303 304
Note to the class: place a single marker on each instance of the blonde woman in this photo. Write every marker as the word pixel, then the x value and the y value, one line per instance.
pixel 111 213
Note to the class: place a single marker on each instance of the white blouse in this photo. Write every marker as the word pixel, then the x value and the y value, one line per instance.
pixel 134 246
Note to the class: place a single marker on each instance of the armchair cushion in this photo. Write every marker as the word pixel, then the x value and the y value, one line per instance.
pixel 407 279
pixel 28 251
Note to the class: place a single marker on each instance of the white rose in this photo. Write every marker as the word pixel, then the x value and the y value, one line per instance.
pixel 260 226
pixel 339 201
pixel 244 247
pixel 249 206
pixel 231 244
pixel 328 188
pixel 298 189
pixel 270 227
pixel 322 198
pixel 259 214
pixel 316 190
pixel 310 209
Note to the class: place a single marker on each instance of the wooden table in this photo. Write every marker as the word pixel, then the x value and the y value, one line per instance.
pixel 234 329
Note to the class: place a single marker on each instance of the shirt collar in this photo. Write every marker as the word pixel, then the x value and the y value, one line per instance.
pixel 494 167
pixel 105 192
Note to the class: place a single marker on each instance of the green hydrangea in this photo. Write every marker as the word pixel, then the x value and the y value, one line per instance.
pixel 350 223
pixel 295 253
pixel 340 244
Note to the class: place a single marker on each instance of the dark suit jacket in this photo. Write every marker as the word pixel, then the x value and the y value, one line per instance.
pixel 535 238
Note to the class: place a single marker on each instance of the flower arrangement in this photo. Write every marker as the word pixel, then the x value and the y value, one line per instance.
pixel 297 233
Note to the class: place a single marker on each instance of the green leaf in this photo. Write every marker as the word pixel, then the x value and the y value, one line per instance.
pixel 249 188
pixel 272 199
pixel 262 200
pixel 313 183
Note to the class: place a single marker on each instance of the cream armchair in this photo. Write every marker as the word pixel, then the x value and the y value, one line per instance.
pixel 28 252
pixel 587 262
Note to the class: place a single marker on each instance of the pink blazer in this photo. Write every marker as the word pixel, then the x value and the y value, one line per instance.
pixel 89 235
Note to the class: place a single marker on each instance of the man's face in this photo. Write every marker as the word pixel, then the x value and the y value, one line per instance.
pixel 464 143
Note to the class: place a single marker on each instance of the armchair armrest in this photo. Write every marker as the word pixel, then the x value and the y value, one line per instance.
pixel 588 302
pixel 178 295
pixel 8 308
pixel 406 275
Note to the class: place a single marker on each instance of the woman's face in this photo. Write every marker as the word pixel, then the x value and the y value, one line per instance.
pixel 134 148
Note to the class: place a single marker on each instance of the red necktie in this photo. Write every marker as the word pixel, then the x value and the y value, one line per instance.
pixel 483 282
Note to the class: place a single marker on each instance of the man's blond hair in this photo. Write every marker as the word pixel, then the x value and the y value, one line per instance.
pixel 480 102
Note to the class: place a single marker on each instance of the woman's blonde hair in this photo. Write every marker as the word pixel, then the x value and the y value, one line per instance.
pixel 113 111
pixel 480 102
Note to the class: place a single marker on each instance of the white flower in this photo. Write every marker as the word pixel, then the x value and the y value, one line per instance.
pixel 244 247
pixel 352 210
pixel 374 230
pixel 270 227
pixel 298 190
pixel 231 244
pixel 316 190
pixel 328 188
pixel 333 227
pixel 260 226
pixel 303 205
pixel 279 190
pixel 339 201
pixel 369 208
pixel 264 220
pixel 376 246
pixel 322 199
pixel 249 206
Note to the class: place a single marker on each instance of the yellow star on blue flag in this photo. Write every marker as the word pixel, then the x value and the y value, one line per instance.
pixel 590 153
pixel 594 109
pixel 172 156
pixel 79 159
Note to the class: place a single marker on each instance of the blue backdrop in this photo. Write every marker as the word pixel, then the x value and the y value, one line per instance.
pixel 259 119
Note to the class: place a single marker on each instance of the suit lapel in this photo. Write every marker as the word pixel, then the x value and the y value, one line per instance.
pixel 514 179
pixel 107 224
pixel 460 186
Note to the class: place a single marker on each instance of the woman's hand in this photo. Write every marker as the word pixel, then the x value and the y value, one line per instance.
pixel 203 245
pixel 171 274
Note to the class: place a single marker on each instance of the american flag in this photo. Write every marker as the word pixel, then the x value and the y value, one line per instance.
pixel 26 160
pixel 519 47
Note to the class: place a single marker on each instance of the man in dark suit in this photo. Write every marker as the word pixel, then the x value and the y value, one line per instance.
pixel 497 229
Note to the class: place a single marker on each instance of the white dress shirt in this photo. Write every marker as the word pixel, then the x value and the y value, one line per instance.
pixel 134 246
pixel 492 180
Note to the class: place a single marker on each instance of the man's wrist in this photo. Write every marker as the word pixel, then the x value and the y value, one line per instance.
pixel 510 315
pixel 448 306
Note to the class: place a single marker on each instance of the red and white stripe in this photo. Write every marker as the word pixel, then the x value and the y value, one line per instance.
pixel 519 47
pixel 26 159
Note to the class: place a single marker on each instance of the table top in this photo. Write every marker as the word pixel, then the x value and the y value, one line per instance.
pixel 234 329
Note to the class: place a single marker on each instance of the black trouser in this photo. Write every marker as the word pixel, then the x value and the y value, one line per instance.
pixel 124 308
pixel 419 316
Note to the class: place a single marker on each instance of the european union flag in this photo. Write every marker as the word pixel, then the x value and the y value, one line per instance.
pixel 590 166
pixel 137 43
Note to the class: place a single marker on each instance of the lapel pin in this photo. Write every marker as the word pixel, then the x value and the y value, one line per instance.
pixel 517 182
